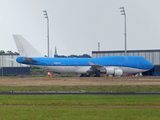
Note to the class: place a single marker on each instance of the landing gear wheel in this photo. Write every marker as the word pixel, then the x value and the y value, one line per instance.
pixel 84 75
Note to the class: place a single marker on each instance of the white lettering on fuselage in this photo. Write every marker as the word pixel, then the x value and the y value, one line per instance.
pixel 57 63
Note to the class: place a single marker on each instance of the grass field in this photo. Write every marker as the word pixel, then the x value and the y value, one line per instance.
pixel 112 89
pixel 81 100
pixel 91 84
pixel 78 113
pixel 80 107
pixel 80 82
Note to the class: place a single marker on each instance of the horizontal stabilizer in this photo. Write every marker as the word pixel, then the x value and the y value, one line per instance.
pixel 10 59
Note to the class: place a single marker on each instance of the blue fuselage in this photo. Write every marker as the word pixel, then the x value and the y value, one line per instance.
pixel 121 61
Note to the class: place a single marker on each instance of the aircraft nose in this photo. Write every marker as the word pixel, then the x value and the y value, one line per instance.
pixel 150 65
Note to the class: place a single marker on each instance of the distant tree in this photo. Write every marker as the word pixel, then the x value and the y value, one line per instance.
pixel 80 56
pixel 85 56
pixel 37 71
pixel 9 52
pixel 2 51
pixel 16 52
pixel 72 56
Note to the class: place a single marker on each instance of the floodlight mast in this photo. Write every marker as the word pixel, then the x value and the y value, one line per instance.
pixel 46 16
pixel 125 35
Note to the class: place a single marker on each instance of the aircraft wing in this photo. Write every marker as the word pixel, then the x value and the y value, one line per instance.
pixel 95 67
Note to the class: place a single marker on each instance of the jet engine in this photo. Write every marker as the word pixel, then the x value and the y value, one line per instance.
pixel 118 72
pixel 112 71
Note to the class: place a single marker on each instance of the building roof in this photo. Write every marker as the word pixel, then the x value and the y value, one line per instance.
pixel 9 53
pixel 122 51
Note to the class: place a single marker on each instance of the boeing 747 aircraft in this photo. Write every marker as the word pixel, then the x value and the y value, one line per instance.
pixel 110 65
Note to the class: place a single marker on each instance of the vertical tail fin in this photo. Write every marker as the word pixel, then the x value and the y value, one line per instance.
pixel 25 49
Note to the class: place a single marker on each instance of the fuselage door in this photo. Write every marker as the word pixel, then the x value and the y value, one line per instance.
pixel 120 64
pixel 126 59
pixel 138 65
pixel 76 64
pixel 46 65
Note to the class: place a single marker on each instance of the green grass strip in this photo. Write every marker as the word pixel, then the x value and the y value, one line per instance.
pixel 87 89
pixel 81 100
pixel 79 107
pixel 78 113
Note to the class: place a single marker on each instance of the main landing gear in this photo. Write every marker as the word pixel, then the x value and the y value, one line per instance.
pixel 84 75
pixel 90 75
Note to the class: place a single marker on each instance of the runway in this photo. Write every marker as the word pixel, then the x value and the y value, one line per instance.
pixel 76 93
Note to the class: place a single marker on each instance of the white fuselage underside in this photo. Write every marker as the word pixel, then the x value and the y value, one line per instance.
pixel 84 69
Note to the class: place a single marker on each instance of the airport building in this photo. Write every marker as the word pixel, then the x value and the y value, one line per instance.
pixel 8 65
pixel 151 55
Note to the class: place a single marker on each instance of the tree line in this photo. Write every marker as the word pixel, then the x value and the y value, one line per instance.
pixel 70 56
pixel 79 56
pixel 8 52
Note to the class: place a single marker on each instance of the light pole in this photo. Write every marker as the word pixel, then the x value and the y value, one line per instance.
pixel 125 38
pixel 46 16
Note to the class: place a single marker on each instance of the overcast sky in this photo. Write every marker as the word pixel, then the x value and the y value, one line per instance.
pixel 76 26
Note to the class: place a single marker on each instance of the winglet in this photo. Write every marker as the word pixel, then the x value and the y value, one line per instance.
pixel 25 49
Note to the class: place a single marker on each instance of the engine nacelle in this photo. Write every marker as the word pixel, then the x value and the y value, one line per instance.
pixel 118 72
pixel 113 71
pixel 109 71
